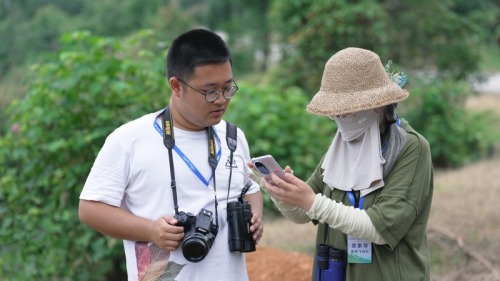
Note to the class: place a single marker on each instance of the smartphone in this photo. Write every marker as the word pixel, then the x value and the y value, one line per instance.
pixel 266 165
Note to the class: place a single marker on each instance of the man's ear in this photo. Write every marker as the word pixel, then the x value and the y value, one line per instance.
pixel 175 85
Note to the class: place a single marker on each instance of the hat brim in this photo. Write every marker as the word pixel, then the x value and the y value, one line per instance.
pixel 328 103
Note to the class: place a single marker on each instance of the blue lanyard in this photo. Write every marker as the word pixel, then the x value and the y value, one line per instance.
pixel 186 159
pixel 352 198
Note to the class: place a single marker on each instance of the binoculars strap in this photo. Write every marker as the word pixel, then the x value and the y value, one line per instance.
pixel 232 143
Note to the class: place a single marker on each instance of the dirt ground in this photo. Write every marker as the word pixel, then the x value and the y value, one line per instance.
pixel 271 264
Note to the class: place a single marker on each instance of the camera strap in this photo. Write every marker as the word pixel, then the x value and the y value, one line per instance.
pixel 232 143
pixel 169 142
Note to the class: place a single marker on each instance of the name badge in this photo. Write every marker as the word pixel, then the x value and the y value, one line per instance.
pixel 358 250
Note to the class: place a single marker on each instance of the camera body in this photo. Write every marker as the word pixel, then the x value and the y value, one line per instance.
pixel 330 263
pixel 239 217
pixel 200 233
pixel 185 220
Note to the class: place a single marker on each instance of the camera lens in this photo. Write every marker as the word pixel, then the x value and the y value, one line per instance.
pixel 262 169
pixel 195 248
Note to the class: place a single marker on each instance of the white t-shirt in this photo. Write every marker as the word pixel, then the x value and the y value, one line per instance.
pixel 132 172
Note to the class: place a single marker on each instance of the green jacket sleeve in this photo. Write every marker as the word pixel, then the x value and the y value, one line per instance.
pixel 406 195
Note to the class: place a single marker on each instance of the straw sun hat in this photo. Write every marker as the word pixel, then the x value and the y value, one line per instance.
pixel 354 80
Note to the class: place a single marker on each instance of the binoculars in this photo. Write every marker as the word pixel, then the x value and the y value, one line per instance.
pixel 330 263
pixel 239 216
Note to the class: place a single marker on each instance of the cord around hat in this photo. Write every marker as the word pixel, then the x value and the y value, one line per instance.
pixel 354 79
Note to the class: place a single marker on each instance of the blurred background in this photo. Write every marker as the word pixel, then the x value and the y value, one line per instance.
pixel 73 71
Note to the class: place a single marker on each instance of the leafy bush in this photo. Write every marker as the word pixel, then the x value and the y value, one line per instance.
pixel 437 111
pixel 93 85
pixel 275 122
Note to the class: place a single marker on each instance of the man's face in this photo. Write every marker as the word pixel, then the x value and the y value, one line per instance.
pixel 194 111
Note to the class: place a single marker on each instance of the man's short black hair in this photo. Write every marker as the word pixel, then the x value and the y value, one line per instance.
pixel 194 48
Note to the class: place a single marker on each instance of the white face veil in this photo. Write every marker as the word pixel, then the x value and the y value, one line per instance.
pixel 354 160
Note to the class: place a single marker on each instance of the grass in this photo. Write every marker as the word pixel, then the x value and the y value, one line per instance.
pixel 469 211
pixel 488 102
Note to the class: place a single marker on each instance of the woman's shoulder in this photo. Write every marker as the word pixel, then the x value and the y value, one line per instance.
pixel 414 140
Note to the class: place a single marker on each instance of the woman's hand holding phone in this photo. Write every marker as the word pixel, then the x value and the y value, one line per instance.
pixel 285 187
pixel 265 166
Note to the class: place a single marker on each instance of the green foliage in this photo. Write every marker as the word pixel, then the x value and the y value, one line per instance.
pixel 275 122
pixel 490 59
pixel 171 20
pixel 312 31
pixel 455 136
pixel 118 17
pixel 435 37
pixel 91 87
pixel 31 28
pixel 245 23
pixel 23 40
pixel 429 35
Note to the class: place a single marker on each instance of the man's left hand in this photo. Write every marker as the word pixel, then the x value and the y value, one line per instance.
pixel 257 226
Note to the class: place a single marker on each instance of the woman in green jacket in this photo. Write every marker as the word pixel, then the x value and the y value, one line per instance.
pixel 371 193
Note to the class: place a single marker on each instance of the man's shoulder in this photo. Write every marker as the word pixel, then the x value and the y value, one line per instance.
pixel 222 127
pixel 133 130
pixel 145 121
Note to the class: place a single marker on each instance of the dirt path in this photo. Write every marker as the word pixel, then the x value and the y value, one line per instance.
pixel 271 264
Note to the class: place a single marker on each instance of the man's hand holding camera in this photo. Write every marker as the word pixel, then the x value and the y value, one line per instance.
pixel 165 234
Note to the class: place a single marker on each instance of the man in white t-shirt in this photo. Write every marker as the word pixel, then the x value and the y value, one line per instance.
pixel 128 193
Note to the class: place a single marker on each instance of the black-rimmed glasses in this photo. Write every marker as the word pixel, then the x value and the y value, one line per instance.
pixel 212 95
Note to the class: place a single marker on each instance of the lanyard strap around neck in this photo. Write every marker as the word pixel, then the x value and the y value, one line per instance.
pixel 169 142
pixel 355 201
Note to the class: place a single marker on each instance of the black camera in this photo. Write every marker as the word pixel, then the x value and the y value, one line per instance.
pixel 239 216
pixel 200 233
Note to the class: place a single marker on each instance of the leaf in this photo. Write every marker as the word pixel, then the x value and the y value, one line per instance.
pixel 173 269
pixel 156 265
pixel 142 256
